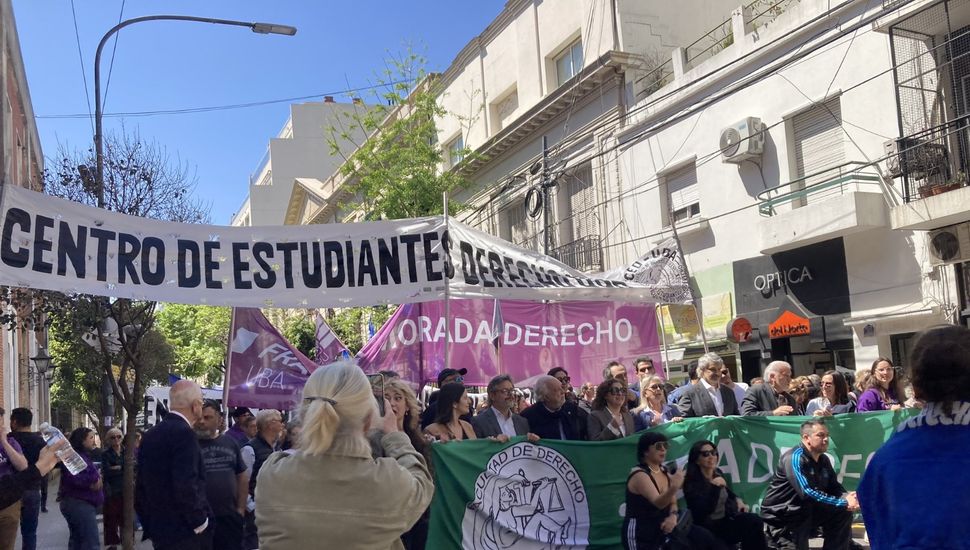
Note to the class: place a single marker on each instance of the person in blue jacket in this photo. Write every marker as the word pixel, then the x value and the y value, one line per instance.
pixel 915 491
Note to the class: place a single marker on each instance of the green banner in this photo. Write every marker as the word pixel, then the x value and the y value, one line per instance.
pixel 570 494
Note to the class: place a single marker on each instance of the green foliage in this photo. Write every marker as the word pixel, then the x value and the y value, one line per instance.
pixel 199 336
pixel 301 332
pixel 396 172
pixel 351 324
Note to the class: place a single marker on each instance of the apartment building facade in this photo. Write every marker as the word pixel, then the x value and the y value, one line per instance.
pixel 21 164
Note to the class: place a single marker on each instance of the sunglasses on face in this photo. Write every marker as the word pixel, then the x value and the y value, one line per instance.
pixel 563 379
pixel 617 391
pixel 707 454
pixel 724 372
pixel 655 387
pixel 661 445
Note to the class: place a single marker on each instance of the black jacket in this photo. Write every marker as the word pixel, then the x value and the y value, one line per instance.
pixel 760 400
pixel 798 485
pixel 701 496
pixel 546 424
pixel 170 492
pixel 12 486
pixel 261 451
pixel 696 401
pixel 31 443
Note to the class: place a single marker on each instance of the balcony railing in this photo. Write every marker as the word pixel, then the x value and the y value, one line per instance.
pixel 584 254
pixel 710 44
pixel 253 178
pixel 657 78
pixel 932 161
pixel 824 184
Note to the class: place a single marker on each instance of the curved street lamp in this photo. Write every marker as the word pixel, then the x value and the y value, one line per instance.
pixel 258 28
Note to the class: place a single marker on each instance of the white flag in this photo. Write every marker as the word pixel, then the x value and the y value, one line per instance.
pixel 662 271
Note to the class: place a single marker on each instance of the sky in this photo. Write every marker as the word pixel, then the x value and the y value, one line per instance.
pixel 162 65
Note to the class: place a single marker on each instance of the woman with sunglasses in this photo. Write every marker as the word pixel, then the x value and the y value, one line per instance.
pixel 609 418
pixel 651 500
pixel 834 399
pixel 654 409
pixel 714 506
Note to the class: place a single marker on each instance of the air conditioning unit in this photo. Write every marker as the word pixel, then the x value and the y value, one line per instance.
pixel 949 245
pixel 916 158
pixel 743 140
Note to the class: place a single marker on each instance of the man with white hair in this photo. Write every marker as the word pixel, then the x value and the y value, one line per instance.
pixel 551 417
pixel 171 492
pixel 772 397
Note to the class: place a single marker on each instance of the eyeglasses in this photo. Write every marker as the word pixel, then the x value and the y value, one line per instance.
pixel 707 454
pixel 114 437
pixel 655 387
pixel 617 391
pixel 661 445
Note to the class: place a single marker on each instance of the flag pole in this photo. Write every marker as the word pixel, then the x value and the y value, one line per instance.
pixel 695 294
pixel 225 377
pixel 663 341
pixel 447 291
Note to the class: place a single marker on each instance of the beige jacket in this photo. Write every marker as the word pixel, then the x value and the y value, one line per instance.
pixel 334 501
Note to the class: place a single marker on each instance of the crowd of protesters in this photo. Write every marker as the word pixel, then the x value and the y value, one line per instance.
pixel 259 483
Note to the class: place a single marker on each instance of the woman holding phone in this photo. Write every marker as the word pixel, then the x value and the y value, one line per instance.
pixel 370 503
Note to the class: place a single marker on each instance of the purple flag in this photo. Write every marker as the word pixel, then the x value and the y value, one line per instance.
pixel 264 371
pixel 531 337
pixel 329 347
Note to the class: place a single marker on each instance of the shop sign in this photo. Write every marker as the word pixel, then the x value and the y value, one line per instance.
pixel 739 330
pixel 789 324
pixel 680 324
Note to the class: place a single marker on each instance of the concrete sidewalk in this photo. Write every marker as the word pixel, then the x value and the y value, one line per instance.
pixel 52 531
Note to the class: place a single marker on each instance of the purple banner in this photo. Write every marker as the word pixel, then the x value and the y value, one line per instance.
pixel 522 339
pixel 264 370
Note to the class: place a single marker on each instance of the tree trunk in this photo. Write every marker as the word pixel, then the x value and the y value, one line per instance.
pixel 128 494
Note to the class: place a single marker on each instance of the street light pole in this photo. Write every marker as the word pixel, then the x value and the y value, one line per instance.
pixel 259 28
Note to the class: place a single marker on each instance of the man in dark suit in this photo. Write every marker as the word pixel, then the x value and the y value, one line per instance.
pixel 551 417
pixel 171 491
pixel 498 418
pixel 708 397
pixel 772 397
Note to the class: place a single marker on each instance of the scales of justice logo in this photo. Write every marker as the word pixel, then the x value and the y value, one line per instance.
pixel 528 497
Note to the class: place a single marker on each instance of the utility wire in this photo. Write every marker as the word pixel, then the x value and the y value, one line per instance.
pixel 641 188
pixel 206 109
pixel 84 76
pixel 114 49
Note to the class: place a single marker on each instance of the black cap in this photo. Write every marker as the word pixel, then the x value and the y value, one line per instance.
pixel 445 373
pixel 240 411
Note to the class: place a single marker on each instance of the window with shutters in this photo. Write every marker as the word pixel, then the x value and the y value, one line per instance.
pixel 515 227
pixel 818 142
pixel 683 195
pixel 579 221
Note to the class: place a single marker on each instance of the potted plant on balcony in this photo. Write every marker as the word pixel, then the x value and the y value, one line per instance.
pixel 957 181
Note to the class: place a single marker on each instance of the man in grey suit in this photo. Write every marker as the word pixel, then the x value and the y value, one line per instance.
pixel 708 397
pixel 772 397
pixel 498 419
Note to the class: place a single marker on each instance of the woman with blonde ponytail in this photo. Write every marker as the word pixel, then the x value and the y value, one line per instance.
pixel 330 491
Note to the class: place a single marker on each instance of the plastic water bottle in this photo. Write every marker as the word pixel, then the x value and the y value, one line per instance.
pixel 72 461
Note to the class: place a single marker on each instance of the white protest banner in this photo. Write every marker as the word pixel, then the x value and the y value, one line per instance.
pixel 661 272
pixel 55 244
